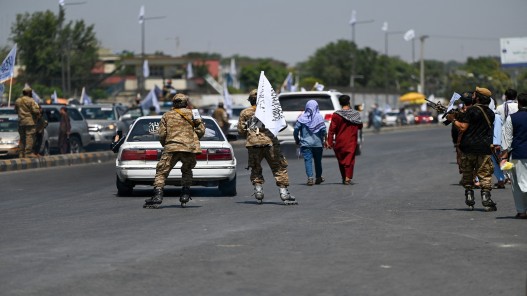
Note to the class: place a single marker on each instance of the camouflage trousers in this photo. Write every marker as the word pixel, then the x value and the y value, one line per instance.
pixel 168 161
pixel 27 140
pixel 274 158
pixel 479 165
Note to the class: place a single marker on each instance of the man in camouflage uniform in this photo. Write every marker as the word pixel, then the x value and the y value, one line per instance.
pixel 222 118
pixel 261 143
pixel 477 126
pixel 28 114
pixel 179 134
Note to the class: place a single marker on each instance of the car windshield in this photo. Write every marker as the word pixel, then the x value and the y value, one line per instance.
pixel 7 125
pixel 8 111
pixel 298 102
pixel 236 112
pixel 147 130
pixel 98 113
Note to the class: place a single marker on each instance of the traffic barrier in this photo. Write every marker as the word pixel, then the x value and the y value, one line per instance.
pixel 55 160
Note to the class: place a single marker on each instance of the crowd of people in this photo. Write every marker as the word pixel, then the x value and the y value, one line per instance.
pixel 486 138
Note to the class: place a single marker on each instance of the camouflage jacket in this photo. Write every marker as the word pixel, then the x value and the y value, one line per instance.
pixel 254 130
pixel 28 111
pixel 180 132
pixel 220 115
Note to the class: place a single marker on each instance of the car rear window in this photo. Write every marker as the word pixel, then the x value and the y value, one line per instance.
pixel 98 113
pixel 147 130
pixel 298 102
pixel 8 125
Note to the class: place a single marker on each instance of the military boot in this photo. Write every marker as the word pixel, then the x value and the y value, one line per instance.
pixel 469 198
pixel 185 196
pixel 155 201
pixel 258 193
pixel 487 202
pixel 286 197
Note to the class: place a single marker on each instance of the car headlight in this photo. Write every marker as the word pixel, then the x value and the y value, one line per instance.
pixel 9 142
pixel 110 127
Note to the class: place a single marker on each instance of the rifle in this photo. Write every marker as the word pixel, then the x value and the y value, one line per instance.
pixel 441 109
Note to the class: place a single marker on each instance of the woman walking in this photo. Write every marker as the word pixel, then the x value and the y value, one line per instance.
pixel 342 137
pixel 310 134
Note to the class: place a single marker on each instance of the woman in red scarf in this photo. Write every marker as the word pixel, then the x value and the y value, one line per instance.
pixel 342 137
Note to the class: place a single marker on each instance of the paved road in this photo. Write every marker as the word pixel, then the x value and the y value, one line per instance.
pixel 401 229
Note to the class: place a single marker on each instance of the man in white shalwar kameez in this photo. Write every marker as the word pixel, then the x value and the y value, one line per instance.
pixel 514 144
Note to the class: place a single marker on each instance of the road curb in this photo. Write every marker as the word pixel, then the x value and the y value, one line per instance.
pixel 55 160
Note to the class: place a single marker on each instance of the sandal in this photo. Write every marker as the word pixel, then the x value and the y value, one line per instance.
pixel 346 181
pixel 319 180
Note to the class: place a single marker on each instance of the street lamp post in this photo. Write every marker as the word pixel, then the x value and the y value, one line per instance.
pixel 142 21
pixel 65 70
pixel 422 70
pixel 354 22
pixel 386 33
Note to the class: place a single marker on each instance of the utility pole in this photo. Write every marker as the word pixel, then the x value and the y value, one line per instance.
pixel 422 70
pixel 354 22
pixel 142 21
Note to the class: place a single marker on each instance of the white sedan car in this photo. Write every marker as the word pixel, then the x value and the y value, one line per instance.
pixel 138 156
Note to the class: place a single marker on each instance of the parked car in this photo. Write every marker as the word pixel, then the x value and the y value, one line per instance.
pixel 8 111
pixel 79 136
pixel 390 119
pixel 103 121
pixel 10 138
pixel 424 117
pixel 138 156
pixel 233 120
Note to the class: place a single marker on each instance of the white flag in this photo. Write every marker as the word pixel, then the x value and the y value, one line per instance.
pixel 318 86
pixel 149 101
pixel 232 70
pixel 492 105
pixel 454 98
pixel 146 69
pixel 142 14
pixel 54 97
pixel 61 2
pixel 190 72
pixel 353 18
pixel 409 35
pixel 85 99
pixel 385 27
pixel 227 99
pixel 268 109
pixel 7 69
pixel 287 85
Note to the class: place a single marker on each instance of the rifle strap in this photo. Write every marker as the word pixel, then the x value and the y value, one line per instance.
pixel 185 117
pixel 484 114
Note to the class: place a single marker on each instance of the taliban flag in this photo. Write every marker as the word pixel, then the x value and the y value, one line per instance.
pixel 268 109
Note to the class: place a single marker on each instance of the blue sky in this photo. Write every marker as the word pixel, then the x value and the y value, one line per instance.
pixel 288 30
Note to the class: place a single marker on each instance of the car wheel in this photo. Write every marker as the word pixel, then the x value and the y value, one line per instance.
pixel 228 187
pixel 75 145
pixel 123 189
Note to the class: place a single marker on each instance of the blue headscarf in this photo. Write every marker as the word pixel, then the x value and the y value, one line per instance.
pixel 312 117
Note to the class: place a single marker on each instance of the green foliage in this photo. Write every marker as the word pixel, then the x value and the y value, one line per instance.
pixel 46 44
pixel 250 75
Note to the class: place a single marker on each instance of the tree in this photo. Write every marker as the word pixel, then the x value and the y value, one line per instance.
pixel 46 46
pixel 250 75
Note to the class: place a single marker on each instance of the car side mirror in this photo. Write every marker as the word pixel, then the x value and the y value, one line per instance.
pixel 231 137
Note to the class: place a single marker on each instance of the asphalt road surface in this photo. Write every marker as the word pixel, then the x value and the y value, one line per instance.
pixel 402 228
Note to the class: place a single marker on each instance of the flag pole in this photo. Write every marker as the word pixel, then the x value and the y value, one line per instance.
pixel 10 85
